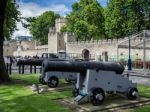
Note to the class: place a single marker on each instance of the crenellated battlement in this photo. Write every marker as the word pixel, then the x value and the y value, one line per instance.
pixel 52 29
pixel 109 41
pixel 61 20
pixel 106 41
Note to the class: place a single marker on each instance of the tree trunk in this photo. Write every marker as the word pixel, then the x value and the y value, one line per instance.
pixel 4 77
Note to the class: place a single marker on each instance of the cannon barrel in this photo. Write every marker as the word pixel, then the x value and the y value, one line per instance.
pixel 36 62
pixel 80 67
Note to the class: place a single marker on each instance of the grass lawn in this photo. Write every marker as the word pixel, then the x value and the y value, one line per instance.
pixel 145 92
pixel 16 97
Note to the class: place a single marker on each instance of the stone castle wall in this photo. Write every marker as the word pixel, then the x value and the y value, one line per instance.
pixel 9 48
pixel 52 40
pixel 66 41
pixel 31 53
pixel 58 41
pixel 59 22
pixel 109 46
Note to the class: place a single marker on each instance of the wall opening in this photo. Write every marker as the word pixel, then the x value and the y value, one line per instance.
pixel 86 54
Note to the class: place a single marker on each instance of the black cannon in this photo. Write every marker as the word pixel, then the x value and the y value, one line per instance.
pixel 94 79
pixel 80 67
pixel 32 62
pixel 37 62
pixel 68 69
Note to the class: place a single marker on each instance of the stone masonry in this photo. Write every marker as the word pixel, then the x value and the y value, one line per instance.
pixel 66 41
pixel 58 41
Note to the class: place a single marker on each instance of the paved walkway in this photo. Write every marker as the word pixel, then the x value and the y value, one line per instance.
pixel 140 77
pixel 140 80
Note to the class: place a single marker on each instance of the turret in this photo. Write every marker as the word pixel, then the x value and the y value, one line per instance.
pixel 59 22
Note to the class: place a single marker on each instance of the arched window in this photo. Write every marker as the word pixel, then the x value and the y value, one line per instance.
pixel 85 54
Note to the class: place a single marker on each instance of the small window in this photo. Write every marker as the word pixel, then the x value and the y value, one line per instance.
pixel 59 43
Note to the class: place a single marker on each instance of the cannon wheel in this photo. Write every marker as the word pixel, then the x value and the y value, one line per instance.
pixel 41 80
pixel 75 92
pixel 132 93
pixel 97 97
pixel 53 82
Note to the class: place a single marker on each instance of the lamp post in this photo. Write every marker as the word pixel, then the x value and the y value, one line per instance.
pixel 65 51
pixel 124 11
pixel 144 50
pixel 129 59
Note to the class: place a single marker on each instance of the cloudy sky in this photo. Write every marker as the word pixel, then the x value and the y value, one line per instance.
pixel 30 8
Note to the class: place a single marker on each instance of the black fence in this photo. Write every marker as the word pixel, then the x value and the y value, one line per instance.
pixel 22 69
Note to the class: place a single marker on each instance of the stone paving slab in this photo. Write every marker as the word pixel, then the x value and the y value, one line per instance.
pixel 45 88
pixel 139 72
pixel 110 104
pixel 140 80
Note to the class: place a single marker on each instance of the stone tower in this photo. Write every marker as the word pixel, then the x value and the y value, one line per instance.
pixel 59 22
pixel 57 40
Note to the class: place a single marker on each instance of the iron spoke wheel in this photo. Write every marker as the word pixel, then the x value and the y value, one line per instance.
pixel 132 93
pixel 97 97
pixel 53 82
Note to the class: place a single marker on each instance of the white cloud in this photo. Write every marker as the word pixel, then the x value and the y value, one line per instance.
pixel 33 9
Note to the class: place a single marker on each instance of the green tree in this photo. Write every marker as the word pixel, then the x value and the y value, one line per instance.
pixel 113 20
pixel 63 28
pixel 86 20
pixel 147 14
pixel 124 16
pixel 8 17
pixel 39 26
